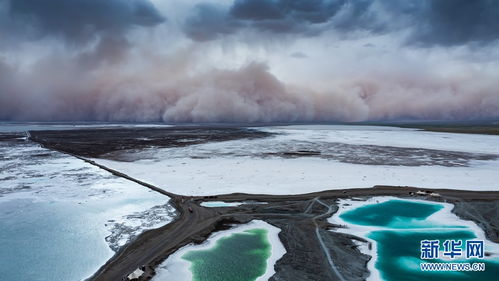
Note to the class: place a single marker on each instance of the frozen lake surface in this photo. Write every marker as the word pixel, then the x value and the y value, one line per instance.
pixel 301 159
pixel 61 218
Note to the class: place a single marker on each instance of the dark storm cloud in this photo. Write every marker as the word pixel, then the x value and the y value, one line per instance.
pixel 92 67
pixel 74 20
pixel 451 22
pixel 312 11
pixel 208 21
pixel 430 22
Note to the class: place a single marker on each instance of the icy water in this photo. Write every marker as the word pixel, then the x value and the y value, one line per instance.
pixel 50 241
pixel 400 226
pixel 238 257
pixel 62 240
pixel 61 218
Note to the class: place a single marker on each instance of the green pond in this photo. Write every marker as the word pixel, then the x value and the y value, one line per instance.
pixel 237 257
pixel 401 225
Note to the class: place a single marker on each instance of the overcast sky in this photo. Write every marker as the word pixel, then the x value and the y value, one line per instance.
pixel 249 60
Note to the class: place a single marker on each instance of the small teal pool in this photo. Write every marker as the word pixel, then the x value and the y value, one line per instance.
pixel 216 204
pixel 237 257
pixel 245 252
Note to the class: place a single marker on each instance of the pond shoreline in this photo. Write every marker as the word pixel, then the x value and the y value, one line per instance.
pixel 293 215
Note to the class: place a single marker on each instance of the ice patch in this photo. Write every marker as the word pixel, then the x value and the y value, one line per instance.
pixel 130 226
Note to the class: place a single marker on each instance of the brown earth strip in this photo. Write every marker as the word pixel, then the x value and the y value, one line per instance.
pixel 288 212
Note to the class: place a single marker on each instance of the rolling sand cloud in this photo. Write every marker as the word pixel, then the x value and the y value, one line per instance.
pixel 111 65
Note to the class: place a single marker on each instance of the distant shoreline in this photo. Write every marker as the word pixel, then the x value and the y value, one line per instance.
pixel 482 130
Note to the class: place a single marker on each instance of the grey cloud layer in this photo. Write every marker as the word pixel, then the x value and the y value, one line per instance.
pixel 430 22
pixel 95 68
pixel 73 20
pixel 459 21
pixel 438 22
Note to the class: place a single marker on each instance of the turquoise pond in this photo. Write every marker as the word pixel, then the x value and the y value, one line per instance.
pixel 240 256
pixel 398 228
pixel 49 241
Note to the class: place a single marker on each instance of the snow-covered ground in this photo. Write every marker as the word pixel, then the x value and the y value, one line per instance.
pixel 392 136
pixel 176 268
pixel 57 211
pixel 301 159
